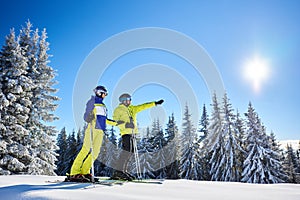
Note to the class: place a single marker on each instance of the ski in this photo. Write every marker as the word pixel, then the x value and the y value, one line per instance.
pixel 110 182
pixel 146 181
pixel 100 182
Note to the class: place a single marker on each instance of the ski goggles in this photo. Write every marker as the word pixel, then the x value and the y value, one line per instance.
pixel 125 99
pixel 98 92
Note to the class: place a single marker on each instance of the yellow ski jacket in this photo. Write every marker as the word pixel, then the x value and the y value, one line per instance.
pixel 126 113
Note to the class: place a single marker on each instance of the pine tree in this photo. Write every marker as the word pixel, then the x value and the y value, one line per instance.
pixel 45 80
pixel 197 169
pixel 111 151
pixel 172 149
pixel 290 165
pixel 26 96
pixel 61 152
pixel 224 160
pixel 149 152
pixel 203 151
pixel 241 155
pixel 277 153
pixel 189 158
pixel 215 126
pixel 29 43
pixel 260 165
pixel 213 144
pixel 298 162
pixel 232 148
pixel 71 152
pixel 146 157
pixel 203 124
pixel 159 157
pixel 15 107
pixel 79 139
pixel 42 105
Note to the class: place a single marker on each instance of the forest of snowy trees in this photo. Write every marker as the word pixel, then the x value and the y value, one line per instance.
pixel 226 146
pixel 27 104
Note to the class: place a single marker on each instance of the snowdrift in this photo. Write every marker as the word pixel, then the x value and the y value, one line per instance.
pixel 38 187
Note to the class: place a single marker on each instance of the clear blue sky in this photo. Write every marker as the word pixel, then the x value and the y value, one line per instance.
pixel 233 33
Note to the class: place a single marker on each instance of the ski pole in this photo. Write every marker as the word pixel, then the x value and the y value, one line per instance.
pixel 92 152
pixel 136 156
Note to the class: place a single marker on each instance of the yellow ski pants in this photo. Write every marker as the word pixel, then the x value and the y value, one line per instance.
pixel 83 162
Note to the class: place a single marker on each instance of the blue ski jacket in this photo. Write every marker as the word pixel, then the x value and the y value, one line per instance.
pixel 98 110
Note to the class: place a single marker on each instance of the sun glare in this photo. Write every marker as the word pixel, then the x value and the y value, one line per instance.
pixel 256 71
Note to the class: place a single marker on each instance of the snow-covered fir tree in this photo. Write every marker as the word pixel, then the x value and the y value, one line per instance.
pixel 29 41
pixel 15 107
pixel 241 155
pixel 146 157
pixel 69 146
pixel 109 151
pixel 189 163
pixel 79 139
pixel 71 152
pixel 275 147
pixel 215 126
pixel 230 133
pixel 203 124
pixel 290 165
pixel 224 145
pixel 260 165
pixel 204 155
pixel 26 84
pixel 197 172
pixel 213 144
pixel 172 150
pixel 150 152
pixel 298 162
pixel 62 144
pixel 159 158
pixel 43 106
pixel 157 135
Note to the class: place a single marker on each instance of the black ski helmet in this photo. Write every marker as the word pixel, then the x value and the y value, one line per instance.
pixel 124 97
pixel 99 90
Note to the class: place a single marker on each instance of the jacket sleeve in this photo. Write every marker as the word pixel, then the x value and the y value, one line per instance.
pixel 111 122
pixel 141 107
pixel 89 109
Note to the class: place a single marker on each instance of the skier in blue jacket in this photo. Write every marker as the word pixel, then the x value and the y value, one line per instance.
pixel 96 117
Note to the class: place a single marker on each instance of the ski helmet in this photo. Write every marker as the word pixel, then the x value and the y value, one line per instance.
pixel 124 97
pixel 99 90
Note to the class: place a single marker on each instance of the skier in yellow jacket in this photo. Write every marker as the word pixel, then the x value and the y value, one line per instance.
pixel 125 114
pixel 96 117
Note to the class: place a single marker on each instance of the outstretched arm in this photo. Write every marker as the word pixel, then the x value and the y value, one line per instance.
pixel 141 107
pixel 144 106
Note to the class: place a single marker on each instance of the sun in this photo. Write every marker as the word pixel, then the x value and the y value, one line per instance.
pixel 257 72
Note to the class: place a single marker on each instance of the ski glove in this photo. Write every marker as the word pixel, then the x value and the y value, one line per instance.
pixel 120 122
pixel 159 102
pixel 129 125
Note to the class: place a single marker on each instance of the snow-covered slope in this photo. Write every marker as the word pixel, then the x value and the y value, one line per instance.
pixel 37 187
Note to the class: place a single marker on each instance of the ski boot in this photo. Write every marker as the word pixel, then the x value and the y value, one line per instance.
pixel 77 178
pixel 119 175
pixel 90 177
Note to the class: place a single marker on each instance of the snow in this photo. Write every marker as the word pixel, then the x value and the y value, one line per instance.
pixel 294 143
pixel 27 187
